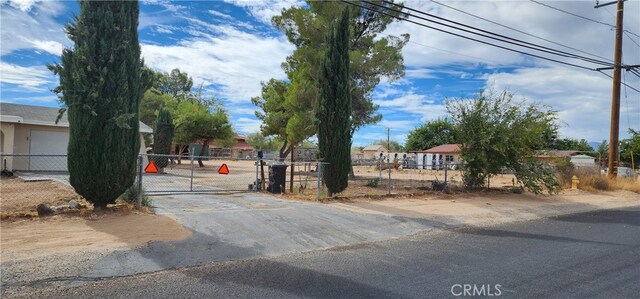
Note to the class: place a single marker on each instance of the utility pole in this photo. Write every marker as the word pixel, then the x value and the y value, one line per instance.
pixel 614 132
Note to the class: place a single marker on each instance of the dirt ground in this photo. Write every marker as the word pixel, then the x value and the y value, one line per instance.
pixel 31 238
pixel 489 208
pixel 21 196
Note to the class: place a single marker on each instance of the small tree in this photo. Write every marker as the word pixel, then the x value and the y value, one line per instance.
pixel 163 137
pixel 334 108
pixel 392 145
pixel 101 84
pixel 201 122
pixel 497 134
pixel 630 149
pixel 603 152
pixel 433 133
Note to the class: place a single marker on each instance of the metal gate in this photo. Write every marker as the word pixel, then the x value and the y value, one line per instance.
pixel 178 174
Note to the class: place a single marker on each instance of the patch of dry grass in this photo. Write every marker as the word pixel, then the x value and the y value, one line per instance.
pixel 597 182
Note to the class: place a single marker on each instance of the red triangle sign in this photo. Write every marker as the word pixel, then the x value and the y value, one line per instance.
pixel 151 168
pixel 223 169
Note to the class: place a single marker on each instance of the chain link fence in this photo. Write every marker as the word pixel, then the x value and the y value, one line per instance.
pixel 175 173
pixel 29 180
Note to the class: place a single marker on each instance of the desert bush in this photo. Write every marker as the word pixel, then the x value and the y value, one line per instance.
pixel 629 184
pixel 566 170
pixel 594 182
pixel 373 182
pixel 131 196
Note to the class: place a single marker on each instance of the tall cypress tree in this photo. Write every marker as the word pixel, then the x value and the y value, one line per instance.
pixel 101 88
pixel 334 108
pixel 162 137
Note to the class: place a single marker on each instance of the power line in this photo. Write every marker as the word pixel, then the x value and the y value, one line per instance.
pixel 625 84
pixel 625 32
pixel 466 37
pixel 499 37
pixel 579 16
pixel 456 53
pixel 517 30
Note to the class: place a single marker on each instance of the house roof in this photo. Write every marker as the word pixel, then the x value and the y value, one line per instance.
pixel 582 157
pixel 39 115
pixel 443 149
pixel 243 145
pixel 557 154
pixel 374 147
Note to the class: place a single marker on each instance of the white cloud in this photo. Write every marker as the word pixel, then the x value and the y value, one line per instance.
pixel 414 104
pixel 236 61
pixel 50 99
pixel 523 15
pixel 264 10
pixel 220 14
pixel 245 111
pixel 24 5
pixel 402 125
pixel 582 99
pixel 422 73
pixel 33 78
pixel 246 125
pixel 49 46
pixel 32 28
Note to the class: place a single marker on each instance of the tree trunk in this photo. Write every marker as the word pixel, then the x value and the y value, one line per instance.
pixel 283 152
pixel 179 153
pixel 205 146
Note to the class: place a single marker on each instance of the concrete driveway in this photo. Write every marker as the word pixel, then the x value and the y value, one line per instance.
pixel 237 226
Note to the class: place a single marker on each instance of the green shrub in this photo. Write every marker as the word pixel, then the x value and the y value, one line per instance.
pixel 131 196
pixel 373 182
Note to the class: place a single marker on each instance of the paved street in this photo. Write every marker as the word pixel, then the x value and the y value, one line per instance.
pixel 593 254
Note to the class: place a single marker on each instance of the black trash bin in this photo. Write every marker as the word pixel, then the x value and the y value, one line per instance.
pixel 277 178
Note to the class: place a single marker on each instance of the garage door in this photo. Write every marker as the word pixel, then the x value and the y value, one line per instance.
pixel 48 143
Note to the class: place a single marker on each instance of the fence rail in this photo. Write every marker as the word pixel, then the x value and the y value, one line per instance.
pixel 32 179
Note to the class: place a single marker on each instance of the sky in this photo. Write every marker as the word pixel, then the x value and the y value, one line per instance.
pixel 230 47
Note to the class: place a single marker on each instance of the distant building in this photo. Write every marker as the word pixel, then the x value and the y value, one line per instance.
pixel 554 155
pixel 26 129
pixel 436 157
pixel 241 149
pixel 373 151
pixel 583 160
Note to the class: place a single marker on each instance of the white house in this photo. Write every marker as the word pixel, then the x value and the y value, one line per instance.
pixel 26 129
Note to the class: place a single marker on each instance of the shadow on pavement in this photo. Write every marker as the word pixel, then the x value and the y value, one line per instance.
pixel 630 217
pixel 296 281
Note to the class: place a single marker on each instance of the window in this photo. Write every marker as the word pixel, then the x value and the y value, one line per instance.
pixel 449 158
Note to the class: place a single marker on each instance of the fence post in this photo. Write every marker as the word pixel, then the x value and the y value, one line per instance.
pixel 390 166
pixel 191 181
pixel 258 162
pixel 446 168
pixel 139 201
pixel 319 169
pixel 380 168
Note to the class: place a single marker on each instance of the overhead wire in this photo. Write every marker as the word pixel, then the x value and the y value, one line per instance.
pixel 580 16
pixel 625 84
pixel 489 34
pixel 456 53
pixel 518 30
pixel 625 32
pixel 466 37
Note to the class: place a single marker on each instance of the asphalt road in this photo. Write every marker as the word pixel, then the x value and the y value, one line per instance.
pixel 595 255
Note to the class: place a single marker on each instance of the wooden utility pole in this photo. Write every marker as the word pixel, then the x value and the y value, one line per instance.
pixel 614 132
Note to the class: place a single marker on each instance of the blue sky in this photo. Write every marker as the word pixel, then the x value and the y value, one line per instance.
pixel 230 47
